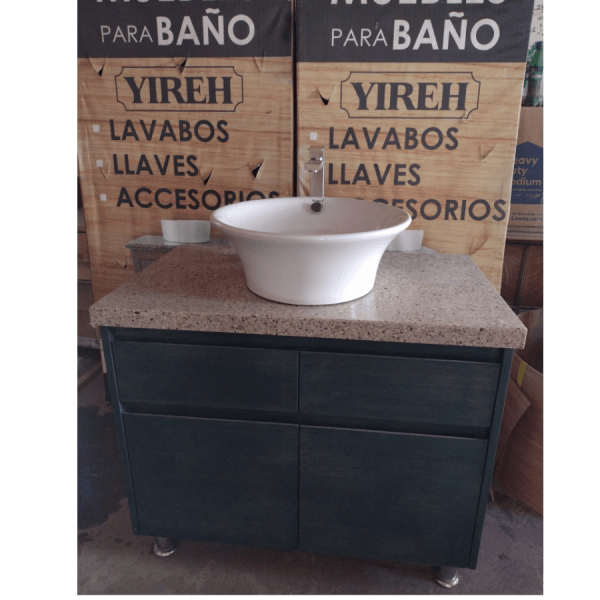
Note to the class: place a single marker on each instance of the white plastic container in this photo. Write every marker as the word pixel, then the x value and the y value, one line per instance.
pixel 409 240
pixel 186 232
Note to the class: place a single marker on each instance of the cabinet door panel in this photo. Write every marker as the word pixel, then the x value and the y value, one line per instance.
pixel 403 497
pixel 406 389
pixel 213 480
pixel 208 376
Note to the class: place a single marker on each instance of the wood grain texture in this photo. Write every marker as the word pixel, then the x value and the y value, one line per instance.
pixel 182 374
pixel 532 294
pixel 376 494
pixel 84 329
pixel 216 481
pixel 533 353
pixel 259 133
pixel 80 217
pixel 406 389
pixel 478 168
pixel 389 496
pixel 511 273
pixel 83 252
pixel 84 272
pixel 84 295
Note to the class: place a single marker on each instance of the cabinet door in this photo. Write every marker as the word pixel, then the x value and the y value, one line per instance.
pixel 214 480
pixel 411 498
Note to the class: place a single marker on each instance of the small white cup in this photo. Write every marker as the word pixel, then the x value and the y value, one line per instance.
pixel 185 232
pixel 409 240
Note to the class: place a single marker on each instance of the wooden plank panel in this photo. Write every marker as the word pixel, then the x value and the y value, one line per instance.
pixel 389 496
pixel 457 192
pixel 405 389
pixel 532 293
pixel 84 295
pixel 84 272
pixel 511 272
pixel 200 160
pixel 84 329
pixel 219 481
pixel 88 374
pixel 80 217
pixel 179 374
pixel 83 252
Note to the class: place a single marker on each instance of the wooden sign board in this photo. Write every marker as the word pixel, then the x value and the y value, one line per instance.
pixel 183 107
pixel 416 104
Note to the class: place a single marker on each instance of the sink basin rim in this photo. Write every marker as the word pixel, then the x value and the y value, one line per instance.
pixel 317 237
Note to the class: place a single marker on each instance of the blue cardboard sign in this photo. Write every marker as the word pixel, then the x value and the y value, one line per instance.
pixel 528 175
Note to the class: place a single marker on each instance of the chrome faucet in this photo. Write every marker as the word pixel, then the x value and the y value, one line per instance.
pixel 315 166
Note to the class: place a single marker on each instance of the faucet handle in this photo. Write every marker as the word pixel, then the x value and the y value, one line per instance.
pixel 316 153
pixel 315 163
pixel 315 166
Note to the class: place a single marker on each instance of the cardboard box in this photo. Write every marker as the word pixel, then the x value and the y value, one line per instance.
pixel 183 107
pixel 527 197
pixel 519 466
pixel 417 106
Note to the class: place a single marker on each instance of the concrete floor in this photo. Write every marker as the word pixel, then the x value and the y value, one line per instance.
pixel 111 560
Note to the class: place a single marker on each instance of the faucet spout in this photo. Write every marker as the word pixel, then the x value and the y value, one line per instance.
pixel 315 166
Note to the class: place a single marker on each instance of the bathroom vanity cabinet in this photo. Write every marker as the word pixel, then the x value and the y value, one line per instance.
pixel 346 429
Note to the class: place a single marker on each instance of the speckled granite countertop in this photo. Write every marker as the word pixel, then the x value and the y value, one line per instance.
pixel 417 298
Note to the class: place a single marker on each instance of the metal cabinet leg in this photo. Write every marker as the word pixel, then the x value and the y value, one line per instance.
pixel 447 577
pixel 164 547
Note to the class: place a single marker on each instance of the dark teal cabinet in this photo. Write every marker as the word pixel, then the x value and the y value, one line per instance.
pixel 216 480
pixel 354 448
pixel 385 495
pixel 447 392
pixel 198 375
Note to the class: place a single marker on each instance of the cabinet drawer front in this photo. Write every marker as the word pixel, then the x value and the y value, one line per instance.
pixel 207 376
pixel 389 496
pixel 405 389
pixel 220 481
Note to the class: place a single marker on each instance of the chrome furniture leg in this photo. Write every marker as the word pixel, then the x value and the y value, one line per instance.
pixel 447 577
pixel 164 547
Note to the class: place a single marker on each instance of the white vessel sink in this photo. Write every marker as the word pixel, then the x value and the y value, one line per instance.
pixel 294 255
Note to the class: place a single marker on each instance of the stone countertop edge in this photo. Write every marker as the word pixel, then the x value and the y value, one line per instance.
pixel 417 298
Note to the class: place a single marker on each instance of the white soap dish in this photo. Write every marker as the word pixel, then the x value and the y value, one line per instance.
pixel 185 231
